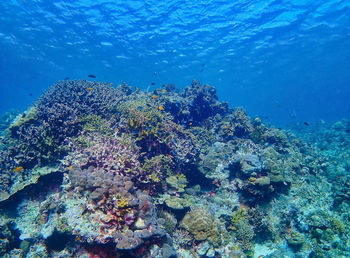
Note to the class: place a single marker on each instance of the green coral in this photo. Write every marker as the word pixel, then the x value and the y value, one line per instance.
pixel 95 123
pixel 178 203
pixel 143 117
pixel 237 217
pixel 178 182
pixel 158 167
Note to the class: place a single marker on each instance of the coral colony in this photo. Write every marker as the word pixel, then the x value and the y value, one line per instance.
pixel 92 170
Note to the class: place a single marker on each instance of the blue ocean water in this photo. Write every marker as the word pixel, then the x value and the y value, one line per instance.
pixel 283 60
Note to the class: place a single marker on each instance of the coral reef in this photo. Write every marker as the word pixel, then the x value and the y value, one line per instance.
pixel 40 136
pixel 96 171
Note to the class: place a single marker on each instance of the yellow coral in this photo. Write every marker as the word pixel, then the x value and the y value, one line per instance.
pixel 154 177
pixel 122 203
pixel 238 216
pixel 252 180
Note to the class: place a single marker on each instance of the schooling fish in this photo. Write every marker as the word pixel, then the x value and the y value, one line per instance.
pixel 306 123
pixel 153 83
pixel 92 76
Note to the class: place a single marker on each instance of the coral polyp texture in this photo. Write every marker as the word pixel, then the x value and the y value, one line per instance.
pixel 92 170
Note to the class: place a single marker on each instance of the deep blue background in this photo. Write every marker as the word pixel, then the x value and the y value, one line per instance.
pixel 285 60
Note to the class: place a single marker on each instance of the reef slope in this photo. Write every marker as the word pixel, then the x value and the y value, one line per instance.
pixel 92 170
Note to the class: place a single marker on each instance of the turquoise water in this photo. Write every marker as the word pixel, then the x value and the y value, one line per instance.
pixel 284 60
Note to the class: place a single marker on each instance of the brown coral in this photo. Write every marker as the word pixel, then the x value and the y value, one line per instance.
pixel 203 226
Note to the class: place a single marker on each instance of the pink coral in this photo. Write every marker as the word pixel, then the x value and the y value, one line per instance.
pixel 115 154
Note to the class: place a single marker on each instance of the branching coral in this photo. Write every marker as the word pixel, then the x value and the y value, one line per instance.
pixel 244 234
pixel 155 131
pixel 203 102
pixel 118 155
pixel 83 96
pixel 238 216
pixel 95 123
pixel 158 167
pixel 182 238
pixel 125 216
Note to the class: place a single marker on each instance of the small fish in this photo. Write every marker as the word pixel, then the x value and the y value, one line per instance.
pixel 137 89
pixel 17 169
pixel 154 96
pixel 139 107
pixel 190 123
pixel 164 90
pixel 306 123
pixel 30 94
pixel 89 88
pixel 70 167
pixel 92 76
pixel 111 84
pixel 154 73
pixel 66 78
pixel 153 83
pixel 161 108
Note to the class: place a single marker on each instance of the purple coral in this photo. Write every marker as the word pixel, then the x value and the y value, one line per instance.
pixel 118 155
pixel 39 135
pixel 126 216
pixel 83 96
pixel 203 101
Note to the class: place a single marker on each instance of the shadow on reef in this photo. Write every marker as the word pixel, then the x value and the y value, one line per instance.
pixel 58 241
pixel 100 171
